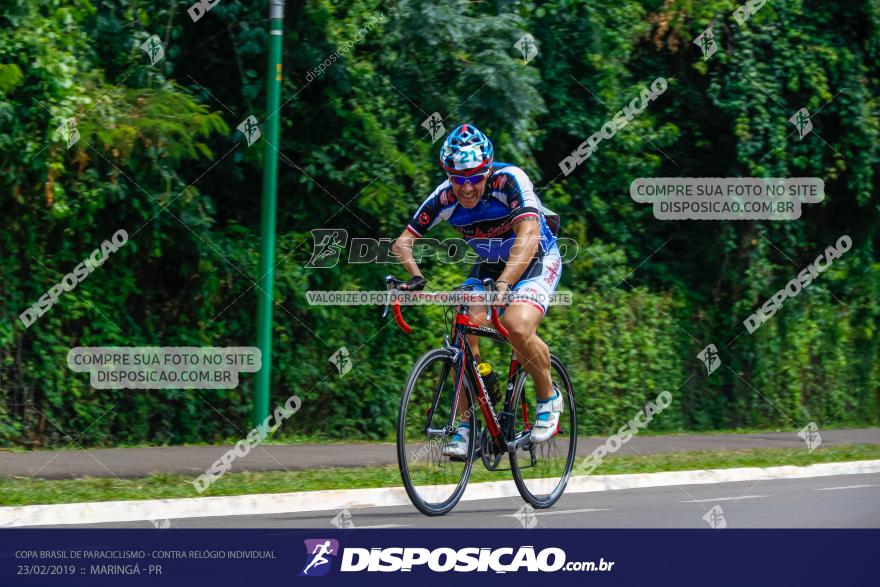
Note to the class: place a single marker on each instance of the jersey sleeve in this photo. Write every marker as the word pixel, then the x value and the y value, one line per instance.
pixel 429 213
pixel 521 196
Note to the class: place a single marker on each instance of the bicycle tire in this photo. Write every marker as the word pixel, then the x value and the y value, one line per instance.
pixel 422 366
pixel 568 420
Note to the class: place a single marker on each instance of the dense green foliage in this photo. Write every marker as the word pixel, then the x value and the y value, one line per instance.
pixel 158 155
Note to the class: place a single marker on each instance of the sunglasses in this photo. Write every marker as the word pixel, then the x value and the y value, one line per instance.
pixel 471 179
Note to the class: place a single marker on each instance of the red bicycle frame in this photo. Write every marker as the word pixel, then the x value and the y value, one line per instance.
pixel 463 326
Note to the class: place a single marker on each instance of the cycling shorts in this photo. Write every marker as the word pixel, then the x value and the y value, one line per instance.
pixel 535 286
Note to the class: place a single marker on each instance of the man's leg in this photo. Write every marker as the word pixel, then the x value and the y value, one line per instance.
pixel 521 320
pixel 464 408
pixel 478 317
pixel 457 446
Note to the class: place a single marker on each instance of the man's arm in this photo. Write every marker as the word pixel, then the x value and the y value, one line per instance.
pixel 523 249
pixel 402 247
pixel 428 214
pixel 522 199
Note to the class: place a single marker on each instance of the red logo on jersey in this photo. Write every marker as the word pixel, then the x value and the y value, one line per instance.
pixel 552 271
pixel 446 197
pixel 491 231
pixel 499 182
pixel 424 218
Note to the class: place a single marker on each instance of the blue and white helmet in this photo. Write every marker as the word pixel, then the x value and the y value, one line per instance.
pixel 466 151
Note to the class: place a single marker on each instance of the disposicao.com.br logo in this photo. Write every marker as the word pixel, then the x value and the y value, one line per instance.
pixel 441 560
pixel 317 552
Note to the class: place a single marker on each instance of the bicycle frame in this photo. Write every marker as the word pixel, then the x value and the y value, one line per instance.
pixel 500 429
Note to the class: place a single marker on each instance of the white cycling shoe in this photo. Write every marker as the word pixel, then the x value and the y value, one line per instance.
pixel 547 419
pixel 458 445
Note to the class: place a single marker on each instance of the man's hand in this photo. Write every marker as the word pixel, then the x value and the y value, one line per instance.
pixel 414 284
pixel 501 290
pixel 402 247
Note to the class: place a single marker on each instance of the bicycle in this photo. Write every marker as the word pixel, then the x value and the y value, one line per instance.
pixel 430 408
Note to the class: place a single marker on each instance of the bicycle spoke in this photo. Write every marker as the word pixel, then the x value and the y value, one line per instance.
pixel 433 480
pixel 542 470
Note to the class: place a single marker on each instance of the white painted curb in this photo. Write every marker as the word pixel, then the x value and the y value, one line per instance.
pixel 308 501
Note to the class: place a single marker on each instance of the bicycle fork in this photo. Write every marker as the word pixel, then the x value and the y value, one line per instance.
pixel 457 360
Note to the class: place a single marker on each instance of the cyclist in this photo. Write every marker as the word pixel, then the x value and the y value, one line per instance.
pixel 494 207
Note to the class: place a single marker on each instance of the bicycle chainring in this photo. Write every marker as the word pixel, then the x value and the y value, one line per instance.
pixel 489 453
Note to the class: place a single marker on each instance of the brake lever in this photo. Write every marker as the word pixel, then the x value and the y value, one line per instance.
pixel 489 284
pixel 389 285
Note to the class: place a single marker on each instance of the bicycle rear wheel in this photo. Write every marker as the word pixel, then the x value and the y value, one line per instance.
pixel 541 471
pixel 425 425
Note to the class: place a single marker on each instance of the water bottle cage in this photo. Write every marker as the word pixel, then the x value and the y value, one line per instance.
pixel 491 383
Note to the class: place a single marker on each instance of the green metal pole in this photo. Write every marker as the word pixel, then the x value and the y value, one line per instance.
pixel 267 214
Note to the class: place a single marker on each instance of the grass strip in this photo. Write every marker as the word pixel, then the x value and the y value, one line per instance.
pixel 27 490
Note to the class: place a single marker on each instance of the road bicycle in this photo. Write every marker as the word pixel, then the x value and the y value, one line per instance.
pixel 443 389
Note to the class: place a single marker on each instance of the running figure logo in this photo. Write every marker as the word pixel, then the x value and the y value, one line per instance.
pixel 154 49
pixel 317 551
pixel 434 125
pixel 801 121
pixel 810 435
pixel 710 358
pixel 342 359
pixel 250 129
pixel 328 244
pixel 706 42
pixel 527 46
pixel 715 517
pixel 68 131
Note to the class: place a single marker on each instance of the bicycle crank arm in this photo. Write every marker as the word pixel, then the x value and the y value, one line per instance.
pixel 520 441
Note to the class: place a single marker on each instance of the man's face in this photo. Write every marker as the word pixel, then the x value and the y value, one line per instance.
pixel 468 194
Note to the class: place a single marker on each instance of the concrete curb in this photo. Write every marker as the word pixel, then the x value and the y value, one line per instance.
pixel 307 501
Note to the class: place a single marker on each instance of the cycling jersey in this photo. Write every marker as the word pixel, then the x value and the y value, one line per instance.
pixel 488 226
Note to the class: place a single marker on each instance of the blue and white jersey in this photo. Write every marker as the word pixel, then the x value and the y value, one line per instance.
pixel 488 226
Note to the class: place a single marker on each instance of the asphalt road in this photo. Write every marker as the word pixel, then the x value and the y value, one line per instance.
pixel 844 501
pixel 193 460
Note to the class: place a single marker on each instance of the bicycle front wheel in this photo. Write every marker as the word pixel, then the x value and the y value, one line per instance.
pixel 541 471
pixel 428 418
